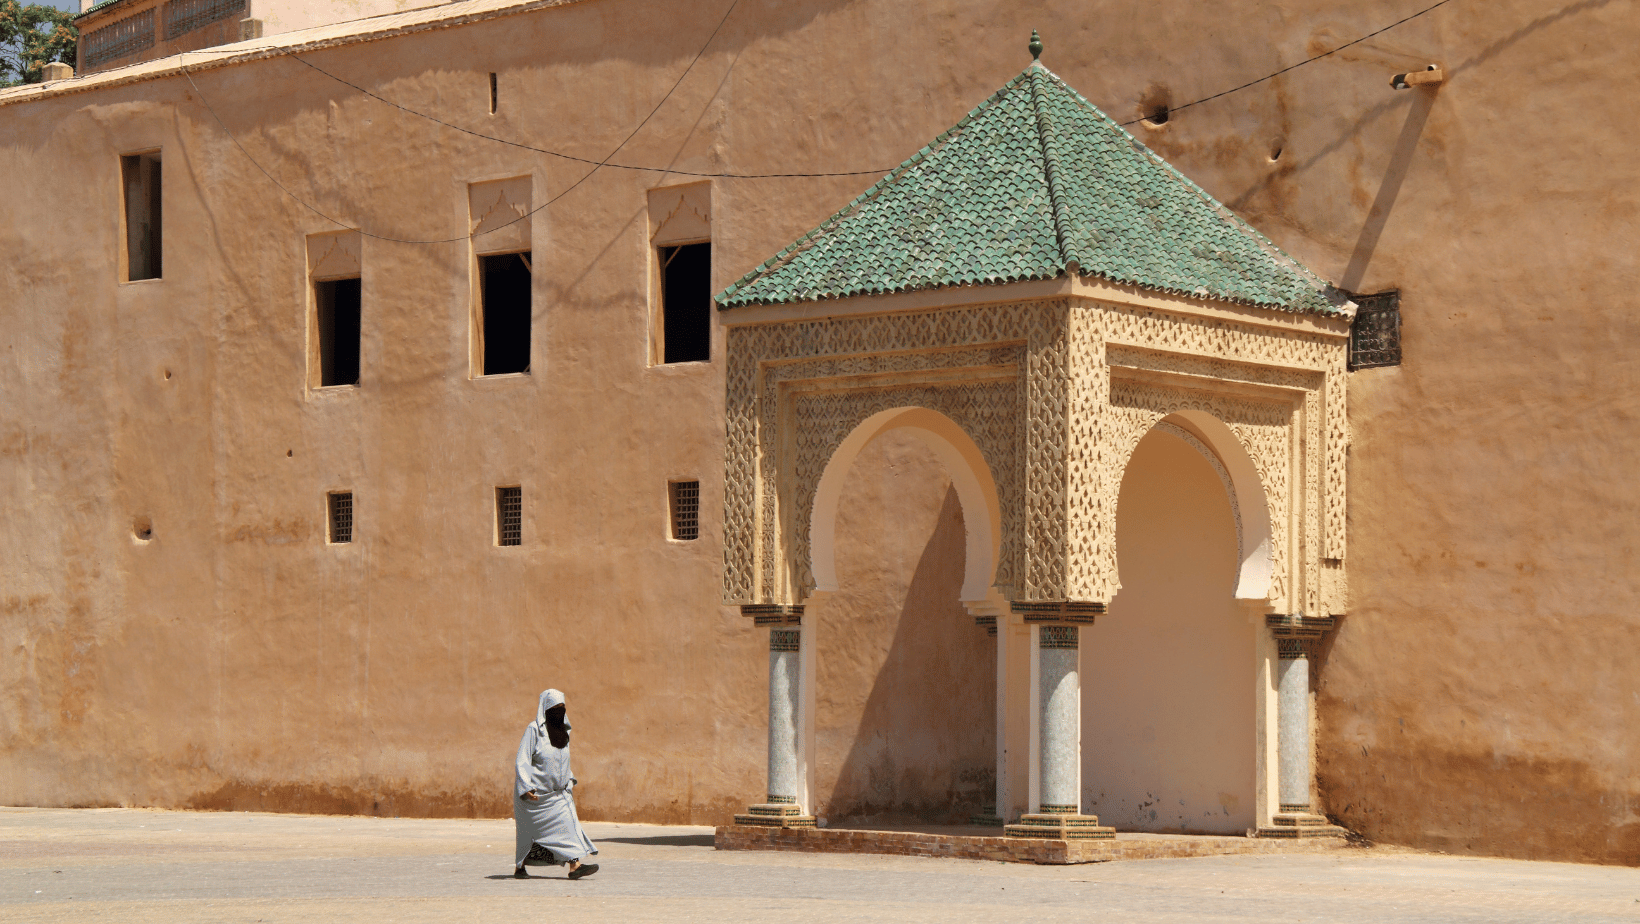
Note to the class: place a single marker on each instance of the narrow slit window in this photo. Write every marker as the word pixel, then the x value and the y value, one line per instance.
pixel 685 503
pixel 504 290
pixel 509 516
pixel 686 303
pixel 140 179
pixel 337 302
pixel 494 96
pixel 341 517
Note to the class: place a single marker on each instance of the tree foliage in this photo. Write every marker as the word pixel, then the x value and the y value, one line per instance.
pixel 32 36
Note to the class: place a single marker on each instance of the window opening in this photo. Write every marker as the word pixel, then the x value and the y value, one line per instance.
pixel 116 40
pixel 183 16
pixel 685 509
pixel 504 291
pixel 338 304
pixel 509 516
pixel 686 303
pixel 341 517
pixel 493 96
pixel 140 174
pixel 1375 334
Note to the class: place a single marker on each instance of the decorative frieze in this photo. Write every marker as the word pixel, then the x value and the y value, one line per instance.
pixel 773 614
pixel 1075 612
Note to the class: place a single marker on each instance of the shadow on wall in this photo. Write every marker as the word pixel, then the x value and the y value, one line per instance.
pixel 922 739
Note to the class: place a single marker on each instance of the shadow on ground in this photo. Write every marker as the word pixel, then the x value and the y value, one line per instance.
pixel 669 840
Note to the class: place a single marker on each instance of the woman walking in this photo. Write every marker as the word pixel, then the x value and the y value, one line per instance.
pixel 543 806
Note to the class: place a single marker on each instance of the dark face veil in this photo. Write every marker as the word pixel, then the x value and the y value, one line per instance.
pixel 551 717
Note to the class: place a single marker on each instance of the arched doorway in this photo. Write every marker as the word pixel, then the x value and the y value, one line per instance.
pixel 1168 728
pixel 904 683
pixel 904 525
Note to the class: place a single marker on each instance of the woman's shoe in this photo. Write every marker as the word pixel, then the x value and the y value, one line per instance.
pixel 585 869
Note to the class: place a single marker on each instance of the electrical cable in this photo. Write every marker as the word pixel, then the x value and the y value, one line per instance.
pixel 182 63
pixel 597 165
pixel 1254 83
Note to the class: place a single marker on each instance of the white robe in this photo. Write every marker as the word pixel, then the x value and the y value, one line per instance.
pixel 550 820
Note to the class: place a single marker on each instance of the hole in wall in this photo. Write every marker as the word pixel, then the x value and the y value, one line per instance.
pixel 1156 106
pixel 493 94
pixel 1275 150
pixel 167 375
pixel 142 527
pixel 289 453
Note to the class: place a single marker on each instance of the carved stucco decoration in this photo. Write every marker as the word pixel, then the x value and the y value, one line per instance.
pixel 1056 394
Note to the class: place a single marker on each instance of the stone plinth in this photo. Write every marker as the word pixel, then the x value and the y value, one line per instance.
pixel 1294 825
pixel 775 815
pixel 1059 826
pixel 978 846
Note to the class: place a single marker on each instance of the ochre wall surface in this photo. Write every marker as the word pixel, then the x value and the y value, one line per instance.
pixel 1479 695
pixel 905 683
pixel 1169 673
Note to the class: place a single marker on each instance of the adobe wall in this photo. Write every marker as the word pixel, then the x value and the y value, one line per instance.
pixel 1478 696
pixel 1169 673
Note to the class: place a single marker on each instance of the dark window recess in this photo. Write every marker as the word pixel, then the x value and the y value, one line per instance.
pixel 686 303
pixel 504 287
pixel 184 16
pixel 337 301
pixel 1375 334
pixel 509 516
pixel 685 499
pixel 140 174
pixel 126 37
pixel 341 517
pixel 493 95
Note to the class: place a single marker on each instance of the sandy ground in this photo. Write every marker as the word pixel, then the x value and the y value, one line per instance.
pixel 137 865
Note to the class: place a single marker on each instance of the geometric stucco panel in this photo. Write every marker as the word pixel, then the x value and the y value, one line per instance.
pixel 1056 395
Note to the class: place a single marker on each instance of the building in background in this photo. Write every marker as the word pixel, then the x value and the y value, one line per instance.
pixel 116 33
pixel 337 424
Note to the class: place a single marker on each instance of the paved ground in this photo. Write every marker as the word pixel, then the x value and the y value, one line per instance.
pixel 132 866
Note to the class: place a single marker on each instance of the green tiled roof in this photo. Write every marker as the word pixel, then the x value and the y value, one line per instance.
pixel 1036 182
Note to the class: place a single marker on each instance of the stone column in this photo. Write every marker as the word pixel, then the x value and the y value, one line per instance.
pixel 1059 735
pixel 1293 724
pixel 782 807
pixel 1294 777
pixel 1060 699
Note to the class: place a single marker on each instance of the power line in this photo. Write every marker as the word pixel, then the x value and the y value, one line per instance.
pixel 583 160
pixel 606 162
pixel 381 237
pixel 1254 83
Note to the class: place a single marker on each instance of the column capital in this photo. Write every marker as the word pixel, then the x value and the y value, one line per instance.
pixel 1063 612
pixel 785 640
pixel 773 614
pixel 1298 625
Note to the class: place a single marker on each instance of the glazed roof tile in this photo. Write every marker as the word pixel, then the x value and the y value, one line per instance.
pixel 1035 183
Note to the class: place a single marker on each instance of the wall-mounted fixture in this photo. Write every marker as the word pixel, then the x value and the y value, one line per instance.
pixel 1428 77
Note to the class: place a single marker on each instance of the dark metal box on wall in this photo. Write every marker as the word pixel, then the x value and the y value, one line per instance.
pixel 1375 336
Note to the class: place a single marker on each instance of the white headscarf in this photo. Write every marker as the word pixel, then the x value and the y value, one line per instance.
pixel 549 699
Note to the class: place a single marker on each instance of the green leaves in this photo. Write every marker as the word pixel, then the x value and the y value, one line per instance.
pixel 31 37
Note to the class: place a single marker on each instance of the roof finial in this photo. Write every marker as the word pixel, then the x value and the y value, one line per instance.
pixel 1036 45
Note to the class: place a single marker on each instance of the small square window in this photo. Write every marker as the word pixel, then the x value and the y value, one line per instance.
pixel 341 516
pixel 686 303
pixel 509 516
pixel 140 182
pixel 337 302
pixel 685 503
pixel 504 290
